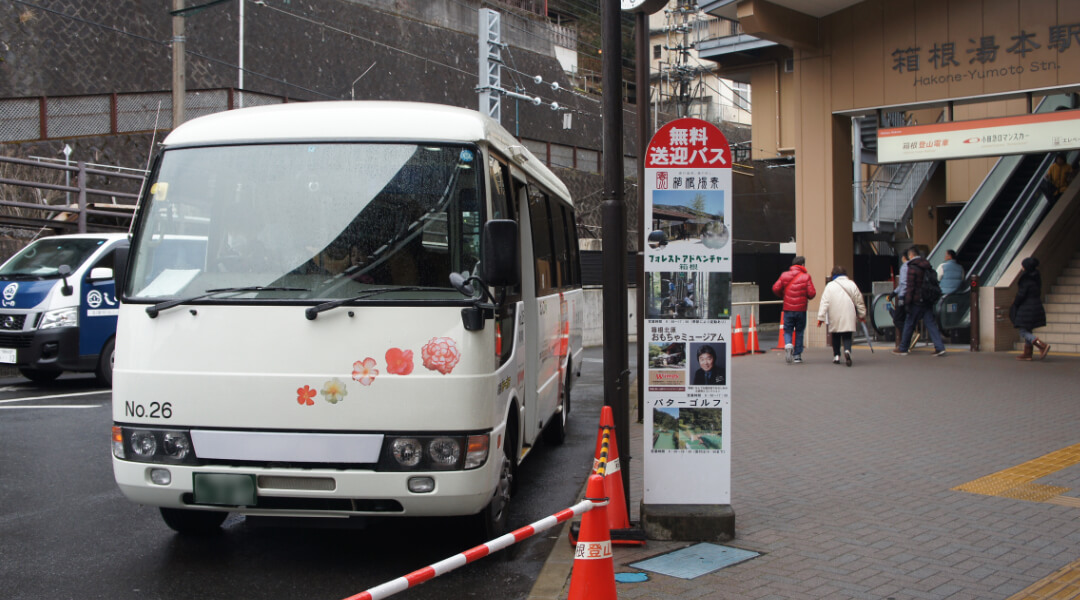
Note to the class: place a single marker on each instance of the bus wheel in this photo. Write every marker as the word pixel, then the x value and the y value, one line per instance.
pixel 105 363
pixel 40 375
pixel 494 518
pixel 193 522
pixel 555 431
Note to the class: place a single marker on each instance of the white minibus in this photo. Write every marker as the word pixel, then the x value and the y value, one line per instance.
pixel 337 309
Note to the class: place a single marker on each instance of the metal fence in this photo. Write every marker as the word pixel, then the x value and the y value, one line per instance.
pixel 45 118
pixel 78 207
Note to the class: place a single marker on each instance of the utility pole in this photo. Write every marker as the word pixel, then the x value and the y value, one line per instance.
pixel 613 258
pixel 179 83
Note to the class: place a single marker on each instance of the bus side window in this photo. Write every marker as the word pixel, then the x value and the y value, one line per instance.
pixel 501 208
pixel 572 246
pixel 543 251
pixel 559 235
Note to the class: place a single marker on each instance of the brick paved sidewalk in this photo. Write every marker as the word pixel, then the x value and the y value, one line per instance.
pixel 843 477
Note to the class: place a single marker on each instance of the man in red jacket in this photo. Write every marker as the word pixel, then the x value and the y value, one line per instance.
pixel 797 289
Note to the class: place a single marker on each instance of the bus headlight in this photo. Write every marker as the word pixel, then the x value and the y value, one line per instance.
pixel 444 452
pixel 143 444
pixel 168 446
pixel 478 451
pixel 407 451
pixel 64 317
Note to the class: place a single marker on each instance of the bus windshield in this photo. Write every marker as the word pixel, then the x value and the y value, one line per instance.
pixel 42 259
pixel 309 221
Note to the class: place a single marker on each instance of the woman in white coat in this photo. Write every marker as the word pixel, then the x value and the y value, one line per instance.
pixel 841 307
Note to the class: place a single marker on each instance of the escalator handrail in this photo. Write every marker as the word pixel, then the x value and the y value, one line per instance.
pixel 1012 222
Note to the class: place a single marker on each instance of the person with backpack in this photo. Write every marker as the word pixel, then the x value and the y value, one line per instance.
pixel 920 293
pixel 1027 312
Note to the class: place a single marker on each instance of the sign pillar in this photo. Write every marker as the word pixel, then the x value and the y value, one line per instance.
pixel 685 343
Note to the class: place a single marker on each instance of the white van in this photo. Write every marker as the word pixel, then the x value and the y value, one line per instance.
pixel 58 308
pixel 343 308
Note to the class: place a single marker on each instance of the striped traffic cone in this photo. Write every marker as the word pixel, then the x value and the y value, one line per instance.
pixel 593 575
pixel 606 464
pixel 738 341
pixel 780 343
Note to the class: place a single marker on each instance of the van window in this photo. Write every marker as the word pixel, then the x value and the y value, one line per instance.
pixel 42 259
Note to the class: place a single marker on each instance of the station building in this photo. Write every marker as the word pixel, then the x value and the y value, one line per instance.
pixel 928 122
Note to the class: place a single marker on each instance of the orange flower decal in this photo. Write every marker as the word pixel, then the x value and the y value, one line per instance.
pixel 399 362
pixel 305 396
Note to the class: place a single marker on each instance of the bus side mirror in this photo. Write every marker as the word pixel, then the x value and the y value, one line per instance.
pixel 120 264
pixel 499 263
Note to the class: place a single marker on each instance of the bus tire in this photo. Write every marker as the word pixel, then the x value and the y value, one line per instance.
pixel 105 363
pixel 493 520
pixel 555 431
pixel 39 375
pixel 193 522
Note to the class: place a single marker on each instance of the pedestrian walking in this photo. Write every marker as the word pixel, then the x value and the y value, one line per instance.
pixel 1027 312
pixel 899 311
pixel 797 289
pixel 841 309
pixel 918 307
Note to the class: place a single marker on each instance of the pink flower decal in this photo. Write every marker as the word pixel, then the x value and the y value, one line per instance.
pixel 364 371
pixel 398 361
pixel 306 395
pixel 440 354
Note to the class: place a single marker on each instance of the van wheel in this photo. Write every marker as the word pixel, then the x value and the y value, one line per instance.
pixel 493 520
pixel 105 363
pixel 40 375
pixel 555 431
pixel 193 522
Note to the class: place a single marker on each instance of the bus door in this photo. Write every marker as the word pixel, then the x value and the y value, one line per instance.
pixel 528 299
pixel 545 330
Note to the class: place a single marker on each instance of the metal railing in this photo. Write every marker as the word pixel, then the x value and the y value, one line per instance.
pixel 82 208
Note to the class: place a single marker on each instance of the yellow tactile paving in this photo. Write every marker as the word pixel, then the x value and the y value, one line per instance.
pixel 1063 584
pixel 1018 482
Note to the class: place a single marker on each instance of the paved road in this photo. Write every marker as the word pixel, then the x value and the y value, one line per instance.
pixel 67 532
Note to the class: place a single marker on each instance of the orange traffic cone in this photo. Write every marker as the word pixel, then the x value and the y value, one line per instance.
pixel 753 346
pixel 780 343
pixel 593 576
pixel 606 464
pixel 738 339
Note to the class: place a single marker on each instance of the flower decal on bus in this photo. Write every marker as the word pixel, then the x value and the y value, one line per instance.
pixel 440 354
pixel 306 395
pixel 364 371
pixel 399 362
pixel 334 391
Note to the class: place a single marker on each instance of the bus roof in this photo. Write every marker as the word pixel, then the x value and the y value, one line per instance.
pixel 416 122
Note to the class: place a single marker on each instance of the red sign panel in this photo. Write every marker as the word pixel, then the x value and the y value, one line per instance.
pixel 688 144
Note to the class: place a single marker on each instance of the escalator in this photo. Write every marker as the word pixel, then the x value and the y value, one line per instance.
pixel 993 225
pixel 997 220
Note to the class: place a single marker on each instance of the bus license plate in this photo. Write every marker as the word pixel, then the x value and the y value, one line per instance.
pixel 224 489
pixel 7 355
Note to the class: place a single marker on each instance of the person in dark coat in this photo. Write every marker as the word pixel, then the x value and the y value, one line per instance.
pixel 918 309
pixel 1027 310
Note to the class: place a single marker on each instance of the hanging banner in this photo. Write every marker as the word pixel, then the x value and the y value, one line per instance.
pixel 687 262
pixel 1025 134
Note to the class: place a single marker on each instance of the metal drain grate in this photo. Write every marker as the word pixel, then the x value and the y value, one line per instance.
pixel 695 561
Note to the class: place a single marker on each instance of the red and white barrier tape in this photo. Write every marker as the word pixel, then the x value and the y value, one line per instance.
pixel 500 543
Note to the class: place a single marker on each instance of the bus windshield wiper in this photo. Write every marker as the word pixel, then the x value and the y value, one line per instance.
pixel 313 312
pixel 157 308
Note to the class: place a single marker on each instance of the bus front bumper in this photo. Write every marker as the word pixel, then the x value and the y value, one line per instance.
pixel 315 492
